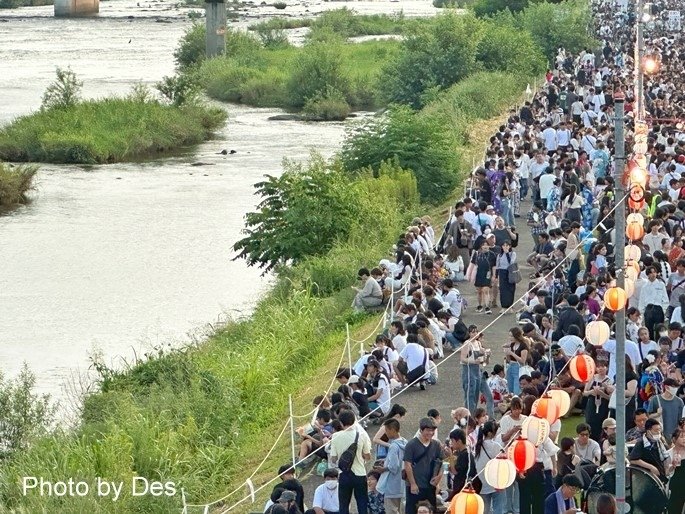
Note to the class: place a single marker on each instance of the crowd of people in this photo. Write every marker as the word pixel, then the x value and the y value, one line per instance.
pixel 555 152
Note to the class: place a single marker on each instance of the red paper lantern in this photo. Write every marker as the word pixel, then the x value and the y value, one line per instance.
pixel 636 205
pixel 546 407
pixel 635 231
pixel 522 454
pixel 467 502
pixel 615 298
pixel 582 368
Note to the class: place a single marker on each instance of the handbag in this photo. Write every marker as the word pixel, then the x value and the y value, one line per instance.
pixel 525 370
pixel 471 272
pixel 514 273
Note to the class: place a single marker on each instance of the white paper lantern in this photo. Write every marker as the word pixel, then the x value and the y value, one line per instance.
pixel 597 332
pixel 631 273
pixel 635 217
pixel 563 399
pixel 535 429
pixel 632 253
pixel 500 472
pixel 629 286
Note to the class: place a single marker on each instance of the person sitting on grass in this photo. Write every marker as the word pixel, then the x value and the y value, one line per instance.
pixel 370 294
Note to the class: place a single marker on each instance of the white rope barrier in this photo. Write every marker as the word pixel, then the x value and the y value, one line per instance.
pixel 445 359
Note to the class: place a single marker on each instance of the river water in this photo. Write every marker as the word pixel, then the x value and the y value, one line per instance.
pixel 123 257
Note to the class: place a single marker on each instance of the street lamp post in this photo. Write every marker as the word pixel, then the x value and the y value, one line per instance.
pixel 620 327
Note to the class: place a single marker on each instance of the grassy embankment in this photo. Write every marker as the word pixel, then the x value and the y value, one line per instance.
pixel 205 417
pixel 105 131
pixel 15 182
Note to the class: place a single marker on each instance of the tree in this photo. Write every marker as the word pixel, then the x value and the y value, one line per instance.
pixel 24 415
pixel 64 92
pixel 315 70
pixel 420 144
pixel 558 25
pixel 505 48
pixel 302 212
pixel 435 56
pixel 192 46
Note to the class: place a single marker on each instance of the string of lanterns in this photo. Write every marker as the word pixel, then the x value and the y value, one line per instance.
pixel 519 457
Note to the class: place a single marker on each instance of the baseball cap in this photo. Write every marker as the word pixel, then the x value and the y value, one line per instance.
pixel 609 423
pixel 354 379
pixel 427 423
pixel 489 207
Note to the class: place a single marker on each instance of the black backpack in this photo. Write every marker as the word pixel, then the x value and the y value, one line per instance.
pixel 348 456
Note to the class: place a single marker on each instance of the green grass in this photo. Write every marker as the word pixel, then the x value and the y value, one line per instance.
pixel 105 131
pixel 15 182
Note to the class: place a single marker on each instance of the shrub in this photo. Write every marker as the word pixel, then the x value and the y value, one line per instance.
pixel 488 7
pixel 504 48
pixel 416 143
pixel 179 89
pixel 328 105
pixel 64 92
pixel 272 38
pixel 438 54
pixel 346 23
pixel 316 68
pixel 285 229
pixel 15 182
pixel 24 415
pixel 280 5
pixel 192 46
pixel 558 25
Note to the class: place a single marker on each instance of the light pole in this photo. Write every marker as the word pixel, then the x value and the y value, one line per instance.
pixel 639 53
pixel 620 327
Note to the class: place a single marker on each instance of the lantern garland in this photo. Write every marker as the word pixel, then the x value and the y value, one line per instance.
pixel 582 368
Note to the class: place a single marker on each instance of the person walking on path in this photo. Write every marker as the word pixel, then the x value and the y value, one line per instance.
pixel 422 466
pixel 507 288
pixel 351 481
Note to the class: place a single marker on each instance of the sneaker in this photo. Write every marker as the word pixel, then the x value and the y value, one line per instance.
pixel 479 308
pixel 488 310
pixel 422 385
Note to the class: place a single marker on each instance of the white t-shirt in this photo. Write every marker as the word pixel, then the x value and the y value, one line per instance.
pixel 632 351
pixel 506 424
pixel 546 183
pixel 572 345
pixel 399 342
pixel 414 355
pixel 384 399
pixel 454 299
pixel 326 499
pixel 550 137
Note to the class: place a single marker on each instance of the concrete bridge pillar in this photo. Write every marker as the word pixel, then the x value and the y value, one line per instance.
pixel 72 8
pixel 215 19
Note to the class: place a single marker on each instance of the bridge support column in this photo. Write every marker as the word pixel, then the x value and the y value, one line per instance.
pixel 215 15
pixel 73 8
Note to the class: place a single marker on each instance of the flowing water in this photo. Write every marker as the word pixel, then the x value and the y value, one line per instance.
pixel 123 257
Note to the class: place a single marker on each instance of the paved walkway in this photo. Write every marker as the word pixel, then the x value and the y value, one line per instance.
pixel 447 394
